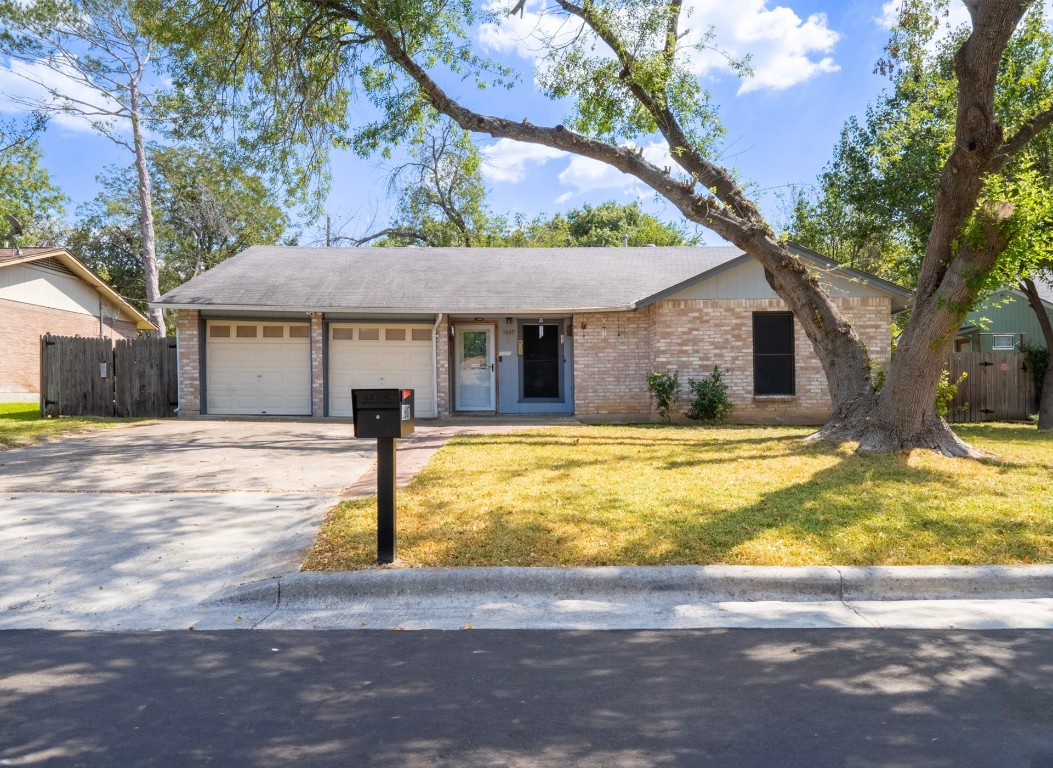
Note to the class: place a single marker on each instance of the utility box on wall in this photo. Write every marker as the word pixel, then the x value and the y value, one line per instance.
pixel 383 412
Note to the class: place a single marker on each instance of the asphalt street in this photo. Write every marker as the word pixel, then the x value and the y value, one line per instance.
pixel 727 697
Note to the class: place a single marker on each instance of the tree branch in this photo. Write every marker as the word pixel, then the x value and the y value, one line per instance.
pixel 406 234
pixel 705 172
pixel 978 136
pixel 1028 131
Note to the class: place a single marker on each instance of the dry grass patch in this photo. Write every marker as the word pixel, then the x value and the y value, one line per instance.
pixel 20 424
pixel 652 495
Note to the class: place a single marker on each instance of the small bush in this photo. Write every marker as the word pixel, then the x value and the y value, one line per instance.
pixel 665 389
pixel 1038 360
pixel 709 398
pixel 946 391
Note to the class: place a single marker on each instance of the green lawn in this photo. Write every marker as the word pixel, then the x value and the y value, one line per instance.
pixel 20 424
pixel 652 495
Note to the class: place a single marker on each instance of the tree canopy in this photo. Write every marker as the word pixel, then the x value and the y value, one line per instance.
pixel 624 72
pixel 26 190
pixel 206 210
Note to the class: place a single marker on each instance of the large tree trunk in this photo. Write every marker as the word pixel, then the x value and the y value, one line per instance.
pixel 146 217
pixel 1045 405
pixel 902 415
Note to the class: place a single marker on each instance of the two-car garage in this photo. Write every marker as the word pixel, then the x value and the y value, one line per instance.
pixel 264 367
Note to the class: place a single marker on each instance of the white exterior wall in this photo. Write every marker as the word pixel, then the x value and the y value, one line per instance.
pixel 31 284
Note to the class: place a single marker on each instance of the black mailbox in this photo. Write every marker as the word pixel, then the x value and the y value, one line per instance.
pixel 382 412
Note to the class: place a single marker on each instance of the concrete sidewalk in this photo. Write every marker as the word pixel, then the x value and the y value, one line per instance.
pixel 681 597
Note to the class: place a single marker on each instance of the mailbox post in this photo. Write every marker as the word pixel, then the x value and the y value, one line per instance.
pixel 385 414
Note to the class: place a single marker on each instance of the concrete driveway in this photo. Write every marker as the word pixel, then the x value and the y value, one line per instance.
pixel 196 455
pixel 134 527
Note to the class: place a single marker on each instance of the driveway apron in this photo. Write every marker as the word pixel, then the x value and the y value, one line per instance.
pixel 134 527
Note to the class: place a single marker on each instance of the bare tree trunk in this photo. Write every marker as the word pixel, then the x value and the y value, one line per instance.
pixel 903 414
pixel 146 217
pixel 1045 405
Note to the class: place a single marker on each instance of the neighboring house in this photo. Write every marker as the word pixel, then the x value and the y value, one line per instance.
pixel 47 290
pixel 1005 322
pixel 513 330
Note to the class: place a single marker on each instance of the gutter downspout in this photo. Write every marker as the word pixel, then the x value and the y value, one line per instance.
pixel 435 364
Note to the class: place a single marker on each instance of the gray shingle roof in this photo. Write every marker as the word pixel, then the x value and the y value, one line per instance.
pixel 470 280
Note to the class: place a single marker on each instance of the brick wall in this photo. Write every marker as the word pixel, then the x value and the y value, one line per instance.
pixel 442 365
pixel 317 369
pixel 22 325
pixel 693 336
pixel 612 357
pixel 189 346
pixel 613 353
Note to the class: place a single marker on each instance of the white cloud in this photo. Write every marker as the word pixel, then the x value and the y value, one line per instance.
pixel 587 175
pixel 506 160
pixel 785 49
pixel 24 84
pixel 510 161
pixel 529 33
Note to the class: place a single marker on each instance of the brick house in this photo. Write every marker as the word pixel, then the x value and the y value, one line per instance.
pixel 48 290
pixel 291 331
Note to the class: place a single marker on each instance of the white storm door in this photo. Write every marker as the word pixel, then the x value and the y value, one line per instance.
pixel 475 381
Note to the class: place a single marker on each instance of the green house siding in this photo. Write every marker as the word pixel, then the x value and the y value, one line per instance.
pixel 1004 313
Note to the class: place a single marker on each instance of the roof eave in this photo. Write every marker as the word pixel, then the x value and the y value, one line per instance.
pixel 392 310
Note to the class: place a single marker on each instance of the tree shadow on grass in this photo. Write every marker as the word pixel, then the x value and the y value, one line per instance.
pixel 543 454
pixel 856 512
pixel 852 513
pixel 693 437
pixel 824 505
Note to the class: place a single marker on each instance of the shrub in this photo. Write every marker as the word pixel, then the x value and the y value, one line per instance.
pixel 946 391
pixel 1038 359
pixel 709 398
pixel 665 389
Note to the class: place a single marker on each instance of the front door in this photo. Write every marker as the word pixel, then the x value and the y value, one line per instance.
pixel 474 365
pixel 540 361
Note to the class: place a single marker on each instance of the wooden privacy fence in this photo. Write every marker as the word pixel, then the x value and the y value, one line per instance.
pixel 999 386
pixel 101 377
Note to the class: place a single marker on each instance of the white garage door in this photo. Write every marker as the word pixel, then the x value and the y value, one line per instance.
pixel 365 356
pixel 258 368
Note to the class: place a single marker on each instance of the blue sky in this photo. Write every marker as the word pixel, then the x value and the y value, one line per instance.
pixel 813 62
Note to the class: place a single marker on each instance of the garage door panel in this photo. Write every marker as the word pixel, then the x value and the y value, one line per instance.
pixel 381 363
pixel 261 375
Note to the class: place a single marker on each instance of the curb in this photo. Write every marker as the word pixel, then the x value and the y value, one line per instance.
pixel 711 583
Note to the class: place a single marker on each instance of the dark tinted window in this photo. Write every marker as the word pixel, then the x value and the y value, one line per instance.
pixel 773 353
